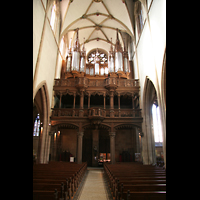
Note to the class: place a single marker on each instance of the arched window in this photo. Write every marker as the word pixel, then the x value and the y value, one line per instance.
pixel 156 124
pixel 36 128
pixel 62 46
pixel 97 53
pixel 53 16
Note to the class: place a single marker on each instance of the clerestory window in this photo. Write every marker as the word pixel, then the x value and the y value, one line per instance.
pixel 53 17
pixel 157 124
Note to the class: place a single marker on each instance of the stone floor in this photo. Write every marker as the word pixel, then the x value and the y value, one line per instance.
pixel 94 186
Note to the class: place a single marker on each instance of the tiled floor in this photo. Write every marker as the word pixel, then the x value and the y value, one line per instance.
pixel 94 186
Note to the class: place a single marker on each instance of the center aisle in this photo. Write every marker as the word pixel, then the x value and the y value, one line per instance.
pixel 94 186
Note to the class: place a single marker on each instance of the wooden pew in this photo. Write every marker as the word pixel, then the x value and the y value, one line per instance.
pixel 136 181
pixel 145 195
pixel 48 177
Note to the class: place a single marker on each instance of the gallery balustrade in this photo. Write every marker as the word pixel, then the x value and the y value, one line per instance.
pixel 97 82
pixel 106 113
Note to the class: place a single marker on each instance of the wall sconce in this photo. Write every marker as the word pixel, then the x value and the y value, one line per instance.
pixel 41 130
pixel 141 134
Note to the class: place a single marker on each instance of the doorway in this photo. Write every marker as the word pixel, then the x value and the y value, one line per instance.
pixel 103 143
pixel 87 147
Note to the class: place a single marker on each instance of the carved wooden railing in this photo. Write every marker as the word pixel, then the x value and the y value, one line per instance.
pixel 100 82
pixel 77 112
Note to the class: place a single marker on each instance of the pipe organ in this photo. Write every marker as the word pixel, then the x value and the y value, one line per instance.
pixel 115 64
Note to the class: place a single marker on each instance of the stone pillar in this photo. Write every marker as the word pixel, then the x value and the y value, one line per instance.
pixel 95 147
pixel 112 147
pixel 48 147
pixel 80 144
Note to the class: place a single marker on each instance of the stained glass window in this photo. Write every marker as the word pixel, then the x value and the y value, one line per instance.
pixel 53 16
pixel 36 129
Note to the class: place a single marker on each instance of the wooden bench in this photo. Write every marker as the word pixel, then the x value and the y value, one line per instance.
pixel 145 195
pixel 136 181
pixel 64 177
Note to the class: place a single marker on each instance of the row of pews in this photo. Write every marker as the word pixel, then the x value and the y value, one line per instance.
pixel 136 181
pixel 57 180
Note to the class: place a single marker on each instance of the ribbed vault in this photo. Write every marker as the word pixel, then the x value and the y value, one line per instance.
pixel 97 22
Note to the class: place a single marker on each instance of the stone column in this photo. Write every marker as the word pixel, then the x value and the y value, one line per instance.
pixel 112 147
pixel 95 147
pixel 80 144
pixel 48 147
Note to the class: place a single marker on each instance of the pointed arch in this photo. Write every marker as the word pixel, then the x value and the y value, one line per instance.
pixel 43 145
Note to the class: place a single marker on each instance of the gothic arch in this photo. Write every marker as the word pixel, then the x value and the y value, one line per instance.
pixel 163 80
pixel 148 144
pixel 41 101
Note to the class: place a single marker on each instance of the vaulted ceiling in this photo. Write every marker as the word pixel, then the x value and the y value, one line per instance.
pixel 97 21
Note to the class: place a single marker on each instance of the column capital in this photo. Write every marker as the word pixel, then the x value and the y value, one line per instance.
pixel 112 134
pixel 80 134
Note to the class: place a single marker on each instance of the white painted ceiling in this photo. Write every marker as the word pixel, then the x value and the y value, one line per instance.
pixel 97 22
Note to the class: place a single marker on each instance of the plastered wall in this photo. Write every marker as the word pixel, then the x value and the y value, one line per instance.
pixel 148 58
pixel 151 45
pixel 45 46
